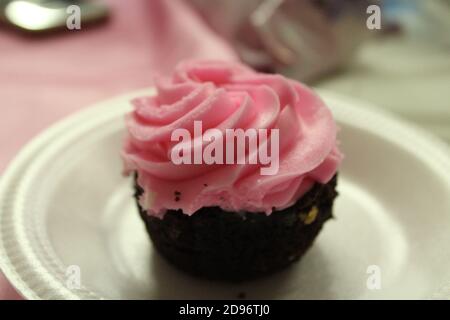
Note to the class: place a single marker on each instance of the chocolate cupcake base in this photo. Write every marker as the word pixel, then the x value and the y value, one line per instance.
pixel 236 246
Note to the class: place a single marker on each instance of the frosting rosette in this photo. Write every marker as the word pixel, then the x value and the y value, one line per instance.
pixel 228 95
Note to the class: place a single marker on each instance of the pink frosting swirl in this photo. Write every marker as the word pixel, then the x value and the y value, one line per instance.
pixel 227 95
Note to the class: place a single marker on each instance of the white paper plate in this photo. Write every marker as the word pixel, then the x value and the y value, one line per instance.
pixel 64 202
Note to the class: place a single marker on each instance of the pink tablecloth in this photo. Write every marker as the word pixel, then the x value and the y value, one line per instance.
pixel 43 79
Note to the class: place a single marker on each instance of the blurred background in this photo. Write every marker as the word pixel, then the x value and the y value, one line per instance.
pixel 51 64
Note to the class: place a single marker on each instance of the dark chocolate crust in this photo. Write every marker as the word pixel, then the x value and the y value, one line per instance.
pixel 216 244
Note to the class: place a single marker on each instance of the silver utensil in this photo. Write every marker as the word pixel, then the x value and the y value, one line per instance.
pixel 44 15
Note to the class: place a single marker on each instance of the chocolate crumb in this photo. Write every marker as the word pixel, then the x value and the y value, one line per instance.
pixel 177 193
pixel 205 185
pixel 177 198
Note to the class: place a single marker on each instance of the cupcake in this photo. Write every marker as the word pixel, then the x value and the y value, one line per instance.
pixel 235 171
